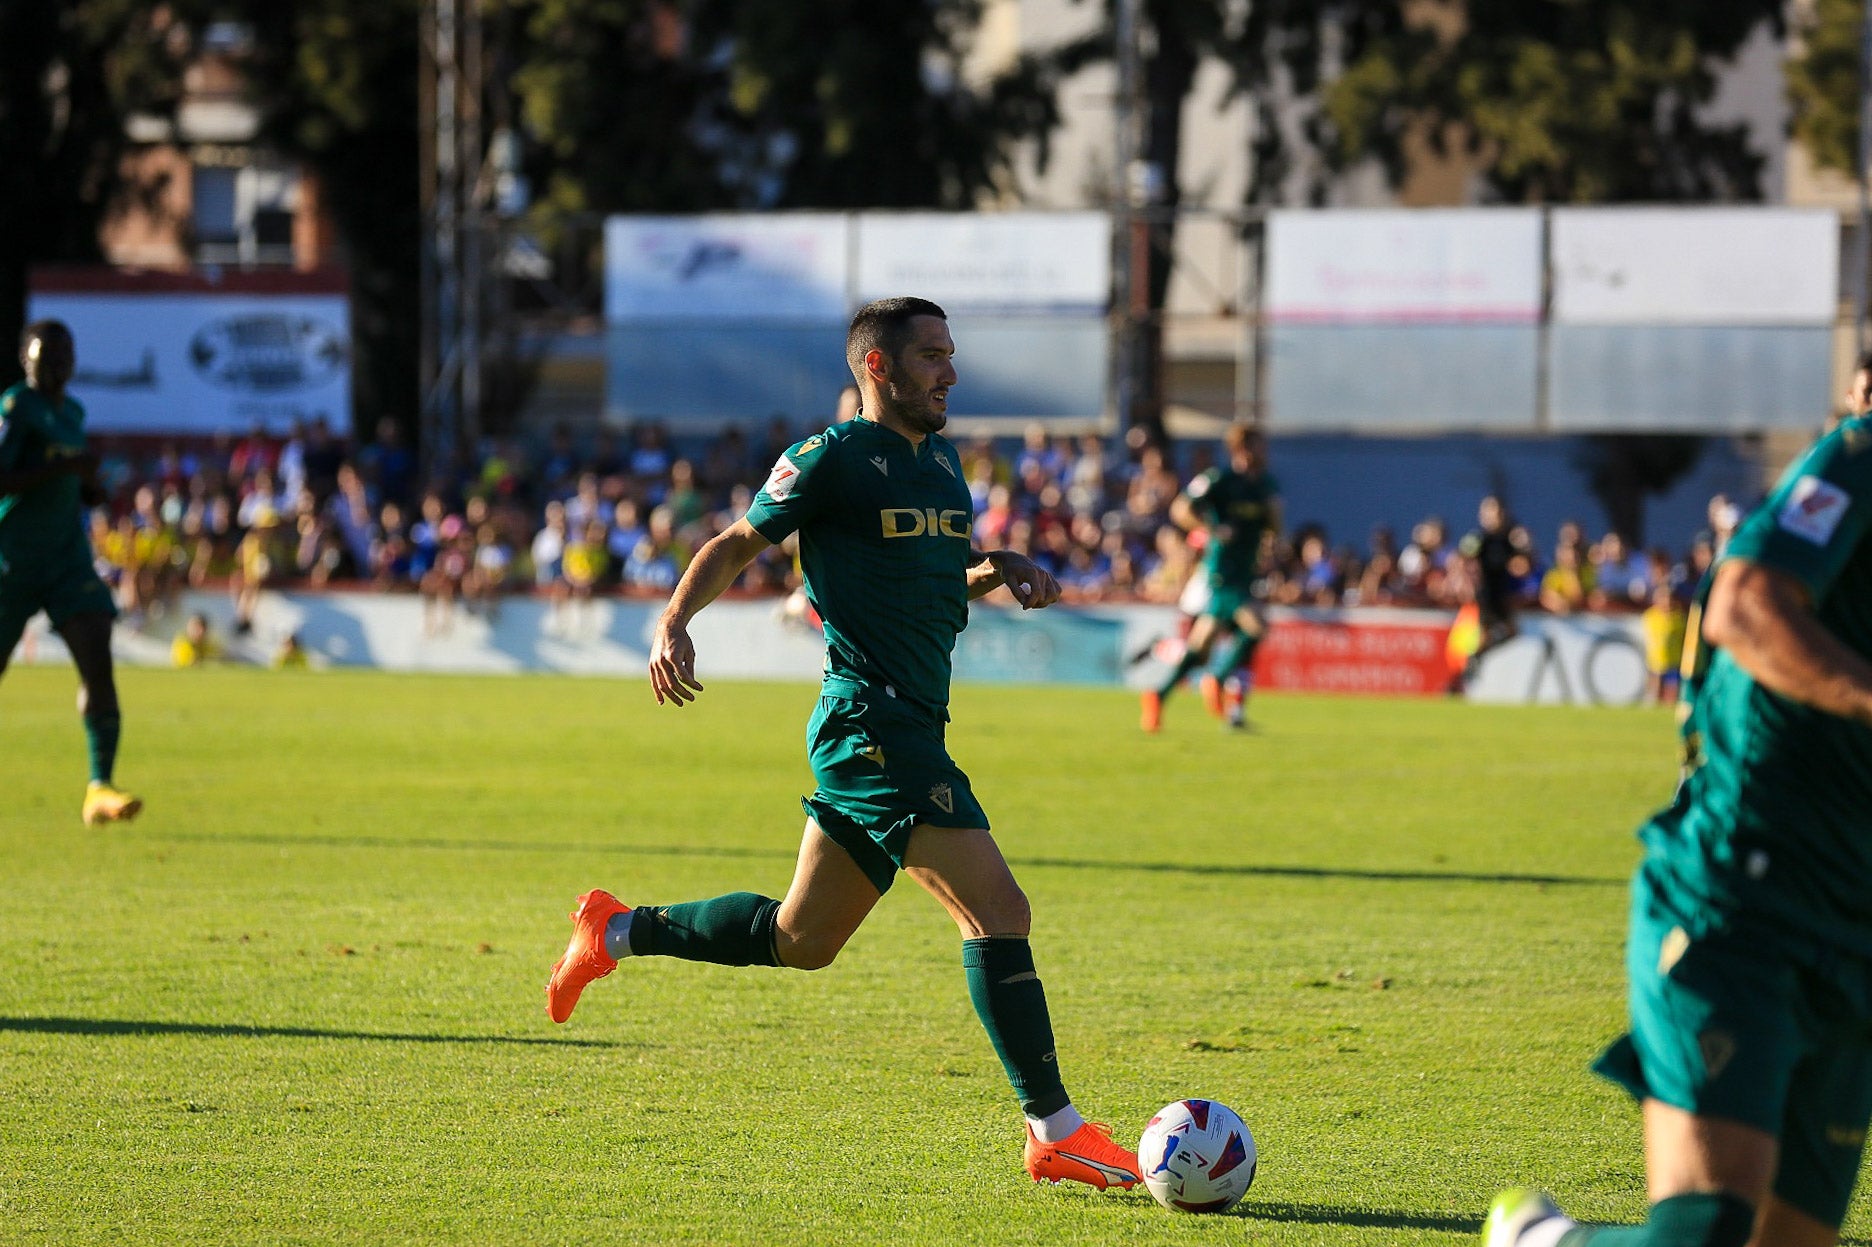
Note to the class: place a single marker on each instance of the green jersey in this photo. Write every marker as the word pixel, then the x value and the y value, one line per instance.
pixel 1775 810
pixel 1237 509
pixel 33 433
pixel 884 536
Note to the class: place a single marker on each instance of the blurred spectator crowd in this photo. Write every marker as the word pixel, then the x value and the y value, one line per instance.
pixel 573 516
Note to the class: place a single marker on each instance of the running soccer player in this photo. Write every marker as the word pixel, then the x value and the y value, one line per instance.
pixel 883 514
pixel 1749 960
pixel 46 476
pixel 1237 507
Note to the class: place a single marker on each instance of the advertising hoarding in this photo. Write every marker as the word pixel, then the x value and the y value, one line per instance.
pixel 180 353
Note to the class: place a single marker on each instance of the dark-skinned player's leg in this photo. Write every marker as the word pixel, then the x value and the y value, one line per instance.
pixel 88 636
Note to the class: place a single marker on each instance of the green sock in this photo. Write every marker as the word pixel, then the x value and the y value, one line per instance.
pixel 101 732
pixel 1235 658
pixel 732 930
pixel 1012 1007
pixel 1190 661
pixel 1712 1219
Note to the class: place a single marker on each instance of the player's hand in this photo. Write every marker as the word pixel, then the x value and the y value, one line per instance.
pixel 1032 585
pixel 672 664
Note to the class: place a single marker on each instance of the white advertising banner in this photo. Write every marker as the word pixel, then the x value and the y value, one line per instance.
pixel 1695 266
pixel 727 267
pixel 987 262
pixel 189 362
pixel 1404 266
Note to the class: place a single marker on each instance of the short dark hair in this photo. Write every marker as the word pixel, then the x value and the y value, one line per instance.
pixel 1865 362
pixel 884 325
pixel 44 329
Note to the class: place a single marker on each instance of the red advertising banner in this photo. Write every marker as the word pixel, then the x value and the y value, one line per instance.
pixel 1331 653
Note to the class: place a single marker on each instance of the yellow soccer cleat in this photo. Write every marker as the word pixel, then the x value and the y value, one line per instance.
pixel 105 804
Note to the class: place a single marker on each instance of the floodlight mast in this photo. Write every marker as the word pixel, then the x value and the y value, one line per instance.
pixel 453 276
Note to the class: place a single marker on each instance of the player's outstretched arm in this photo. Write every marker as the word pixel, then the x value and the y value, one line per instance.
pixel 714 568
pixel 1764 619
pixel 1032 585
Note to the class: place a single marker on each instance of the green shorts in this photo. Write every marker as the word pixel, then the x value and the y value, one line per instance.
pixel 1749 1022
pixel 61 582
pixel 881 768
pixel 1226 600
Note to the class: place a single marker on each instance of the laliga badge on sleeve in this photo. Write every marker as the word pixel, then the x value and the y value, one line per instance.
pixel 1813 509
pixel 780 481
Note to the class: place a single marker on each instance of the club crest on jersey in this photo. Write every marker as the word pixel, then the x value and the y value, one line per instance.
pixel 944 799
pixel 781 480
pixel 1814 508
pixel 879 462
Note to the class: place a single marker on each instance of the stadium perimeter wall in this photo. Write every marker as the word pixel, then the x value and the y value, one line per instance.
pixel 1581 659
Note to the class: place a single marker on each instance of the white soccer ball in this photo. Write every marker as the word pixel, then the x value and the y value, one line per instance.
pixel 1197 1156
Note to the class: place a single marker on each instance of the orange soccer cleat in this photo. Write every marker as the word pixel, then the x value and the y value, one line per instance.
pixel 105 804
pixel 1152 718
pixel 585 957
pixel 1086 1155
pixel 1212 694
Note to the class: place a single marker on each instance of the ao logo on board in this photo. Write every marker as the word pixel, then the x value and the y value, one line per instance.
pixel 267 352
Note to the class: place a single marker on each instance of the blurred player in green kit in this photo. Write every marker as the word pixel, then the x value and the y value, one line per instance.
pixel 1749 959
pixel 1237 505
pixel 884 519
pixel 46 479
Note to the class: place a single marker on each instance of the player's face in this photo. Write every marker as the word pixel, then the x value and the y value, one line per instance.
pixel 48 360
pixel 916 392
pixel 1859 394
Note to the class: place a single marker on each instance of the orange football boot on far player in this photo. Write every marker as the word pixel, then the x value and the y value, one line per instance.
pixel 1152 717
pixel 1212 694
pixel 1086 1155
pixel 585 957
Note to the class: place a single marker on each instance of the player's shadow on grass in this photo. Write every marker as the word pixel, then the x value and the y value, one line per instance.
pixel 1040 863
pixel 217 1030
pixel 1364 1218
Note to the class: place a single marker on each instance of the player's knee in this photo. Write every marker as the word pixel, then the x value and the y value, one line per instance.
pixel 809 950
pixel 1704 1219
pixel 1006 915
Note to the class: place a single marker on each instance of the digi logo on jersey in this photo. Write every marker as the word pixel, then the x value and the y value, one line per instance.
pixel 267 352
pixel 925 522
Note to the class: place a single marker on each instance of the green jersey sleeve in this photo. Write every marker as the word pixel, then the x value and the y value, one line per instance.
pixel 1818 513
pixel 13 429
pixel 796 490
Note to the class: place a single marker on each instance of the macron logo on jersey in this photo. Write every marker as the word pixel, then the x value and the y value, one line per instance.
pixel 1814 509
pixel 781 480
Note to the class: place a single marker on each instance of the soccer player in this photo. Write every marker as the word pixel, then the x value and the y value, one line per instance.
pixel 1749 959
pixel 883 514
pixel 1237 506
pixel 46 477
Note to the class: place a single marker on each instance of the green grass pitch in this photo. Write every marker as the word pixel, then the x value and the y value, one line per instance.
pixel 300 1000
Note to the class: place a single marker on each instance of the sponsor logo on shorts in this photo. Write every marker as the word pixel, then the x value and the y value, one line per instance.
pixel 944 799
pixel 1813 509
pixel 1718 1048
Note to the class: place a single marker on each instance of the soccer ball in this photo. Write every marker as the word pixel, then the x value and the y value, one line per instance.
pixel 1197 1156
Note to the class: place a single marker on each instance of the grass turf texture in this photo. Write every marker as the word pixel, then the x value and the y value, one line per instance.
pixel 300 1000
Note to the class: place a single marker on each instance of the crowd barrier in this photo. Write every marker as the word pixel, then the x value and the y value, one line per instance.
pixel 1577 659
